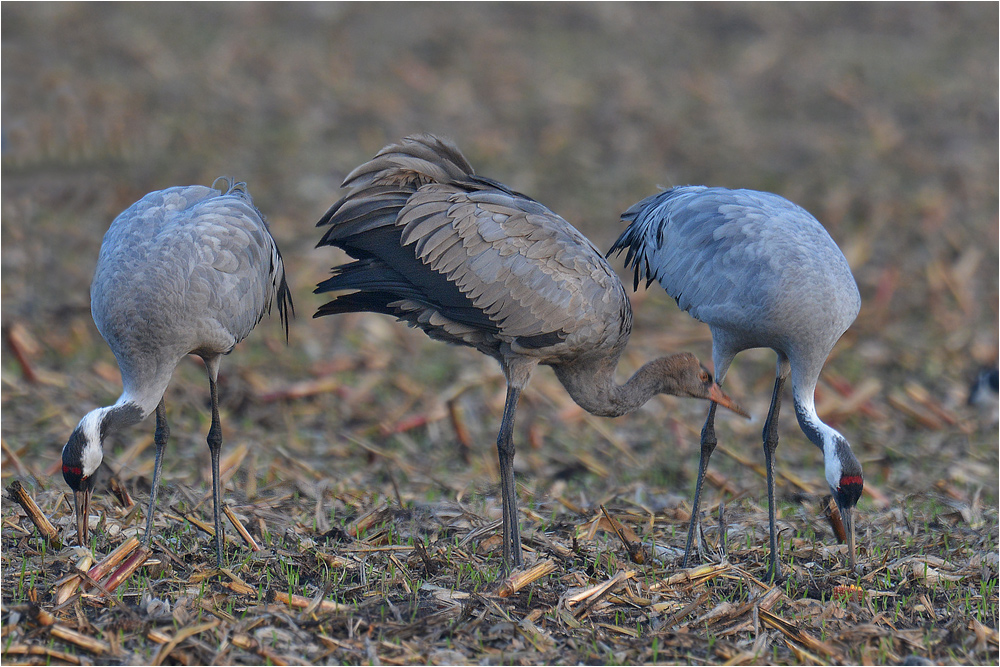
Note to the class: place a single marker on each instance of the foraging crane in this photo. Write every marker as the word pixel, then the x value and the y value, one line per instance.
pixel 760 272
pixel 471 262
pixel 186 270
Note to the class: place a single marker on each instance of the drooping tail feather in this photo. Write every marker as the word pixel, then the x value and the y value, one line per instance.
pixel 415 161
pixel 635 239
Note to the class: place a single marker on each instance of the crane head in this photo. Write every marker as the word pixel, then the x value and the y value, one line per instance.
pixel 81 457
pixel 687 376
pixel 846 483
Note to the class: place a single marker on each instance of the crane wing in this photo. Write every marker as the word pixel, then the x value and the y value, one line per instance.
pixel 463 257
pixel 241 269
pixel 528 270
pixel 729 255
pixel 196 265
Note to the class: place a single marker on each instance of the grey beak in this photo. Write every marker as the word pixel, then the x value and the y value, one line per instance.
pixel 846 514
pixel 81 500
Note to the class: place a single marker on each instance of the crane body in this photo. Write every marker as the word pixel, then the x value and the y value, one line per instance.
pixel 760 271
pixel 185 270
pixel 471 262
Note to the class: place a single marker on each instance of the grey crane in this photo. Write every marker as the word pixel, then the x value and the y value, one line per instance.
pixel 471 262
pixel 760 272
pixel 186 270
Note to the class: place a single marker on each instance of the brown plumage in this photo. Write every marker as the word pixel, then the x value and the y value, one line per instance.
pixel 471 262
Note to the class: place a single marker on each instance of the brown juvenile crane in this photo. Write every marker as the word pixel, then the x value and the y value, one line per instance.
pixel 471 262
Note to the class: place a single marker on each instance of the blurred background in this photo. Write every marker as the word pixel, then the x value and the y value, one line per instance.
pixel 880 119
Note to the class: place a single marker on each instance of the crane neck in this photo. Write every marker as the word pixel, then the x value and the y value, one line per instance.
pixel 591 384
pixel 85 449
pixel 98 424
pixel 837 455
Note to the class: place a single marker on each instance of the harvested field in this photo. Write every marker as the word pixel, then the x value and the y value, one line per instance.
pixel 360 458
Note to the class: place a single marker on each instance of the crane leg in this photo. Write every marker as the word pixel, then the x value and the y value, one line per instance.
pixel 770 445
pixel 215 448
pixel 505 451
pixel 708 443
pixel 160 436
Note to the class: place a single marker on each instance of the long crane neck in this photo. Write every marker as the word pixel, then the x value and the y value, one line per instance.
pixel 84 450
pixel 592 385
pixel 837 452
pixel 138 401
pixel 103 421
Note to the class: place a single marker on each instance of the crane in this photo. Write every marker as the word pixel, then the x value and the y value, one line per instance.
pixel 471 262
pixel 185 270
pixel 760 271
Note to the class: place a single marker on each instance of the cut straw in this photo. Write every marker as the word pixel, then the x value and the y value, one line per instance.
pixel 518 580
pixel 17 493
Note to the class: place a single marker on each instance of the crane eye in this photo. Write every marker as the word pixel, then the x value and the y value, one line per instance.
pixel 705 377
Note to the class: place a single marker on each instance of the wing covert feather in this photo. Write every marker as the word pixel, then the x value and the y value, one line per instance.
pixel 736 257
pixel 485 265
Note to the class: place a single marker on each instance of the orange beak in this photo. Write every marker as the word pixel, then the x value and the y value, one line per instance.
pixel 716 394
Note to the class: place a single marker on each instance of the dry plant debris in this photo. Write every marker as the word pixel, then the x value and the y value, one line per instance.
pixel 360 458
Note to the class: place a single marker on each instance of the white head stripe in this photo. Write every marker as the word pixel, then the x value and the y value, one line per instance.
pixel 93 452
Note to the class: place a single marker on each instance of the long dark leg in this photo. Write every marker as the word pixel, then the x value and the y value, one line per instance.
pixel 505 451
pixel 160 440
pixel 708 443
pixel 215 448
pixel 770 444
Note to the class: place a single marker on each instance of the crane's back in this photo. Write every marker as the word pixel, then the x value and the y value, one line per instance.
pixel 468 260
pixel 750 263
pixel 186 269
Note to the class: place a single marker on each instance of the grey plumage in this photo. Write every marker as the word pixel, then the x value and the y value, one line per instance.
pixel 471 262
pixel 761 272
pixel 186 270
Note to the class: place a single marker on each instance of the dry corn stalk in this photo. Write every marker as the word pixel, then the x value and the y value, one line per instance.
pixel 182 634
pixel 198 523
pixel 38 615
pixel 86 642
pixel 301 602
pixel 595 594
pixel 69 586
pixel 66 587
pixel 111 561
pixel 24 649
pixel 518 580
pixel 240 588
pixel 797 636
pixel 241 529
pixel 17 493
pixel 134 562
pixel 690 577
